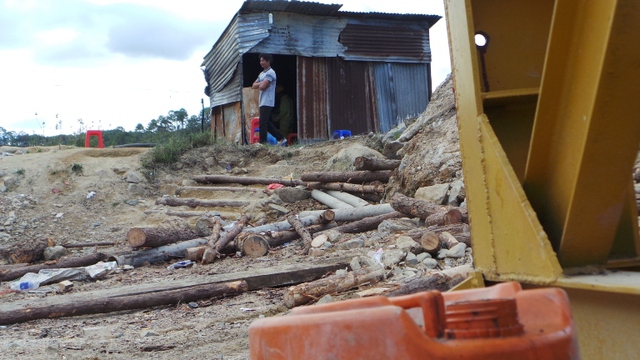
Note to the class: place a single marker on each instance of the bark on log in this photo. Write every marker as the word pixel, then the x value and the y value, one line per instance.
pixel 353 177
pixel 277 238
pixel 181 189
pixel 213 252
pixel 414 207
pixel 163 253
pixel 131 302
pixel 444 216
pixel 343 186
pixel 430 242
pixel 330 201
pixel 350 199
pixel 304 233
pixel 84 245
pixel 177 213
pixel 371 163
pixel 307 292
pixel 319 217
pixel 12 272
pixel 368 223
pixel 25 253
pixel 441 281
pixel 191 202
pixel 155 237
pixel 226 179
pixel 353 214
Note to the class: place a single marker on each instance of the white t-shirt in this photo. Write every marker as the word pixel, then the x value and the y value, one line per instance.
pixel 268 96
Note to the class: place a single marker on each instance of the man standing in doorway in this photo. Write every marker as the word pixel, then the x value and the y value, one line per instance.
pixel 266 83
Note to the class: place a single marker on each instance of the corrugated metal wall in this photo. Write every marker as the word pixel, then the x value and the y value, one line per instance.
pixel 393 42
pixel 402 91
pixel 351 96
pixel 312 98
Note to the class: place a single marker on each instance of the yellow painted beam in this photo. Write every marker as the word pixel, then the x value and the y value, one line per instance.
pixel 586 131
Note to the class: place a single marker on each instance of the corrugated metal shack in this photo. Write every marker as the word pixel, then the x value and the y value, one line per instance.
pixel 361 72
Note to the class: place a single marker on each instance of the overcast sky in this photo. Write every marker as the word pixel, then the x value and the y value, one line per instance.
pixel 122 62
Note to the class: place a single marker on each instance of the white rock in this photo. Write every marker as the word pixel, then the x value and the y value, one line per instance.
pixel 457 251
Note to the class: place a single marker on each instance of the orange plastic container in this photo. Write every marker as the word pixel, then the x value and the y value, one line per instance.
pixel 498 322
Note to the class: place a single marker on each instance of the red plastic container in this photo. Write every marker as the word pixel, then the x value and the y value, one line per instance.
pixel 498 322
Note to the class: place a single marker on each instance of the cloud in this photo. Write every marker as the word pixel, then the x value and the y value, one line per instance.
pixel 131 30
pixel 146 32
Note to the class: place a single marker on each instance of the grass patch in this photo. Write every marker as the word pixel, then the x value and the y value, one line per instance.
pixel 170 151
pixel 20 172
pixel 77 168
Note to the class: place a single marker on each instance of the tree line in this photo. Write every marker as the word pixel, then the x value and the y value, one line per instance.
pixel 156 131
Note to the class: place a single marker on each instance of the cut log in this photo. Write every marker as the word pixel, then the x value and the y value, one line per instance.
pixel 213 252
pixel 414 207
pixel 90 244
pixel 319 217
pixel 191 202
pixel 177 213
pixel 441 281
pixel 372 163
pixel 253 245
pixel 353 177
pixel 350 199
pixel 154 237
pixel 195 253
pixel 132 302
pixel 258 278
pixel 226 179
pixel 304 233
pixel 162 253
pixel 307 292
pixel 277 238
pixel 447 215
pixel 25 253
pixel 367 224
pixel 343 186
pixel 430 242
pixel 181 189
pixel 330 201
pixel 448 239
pixel 353 214
pixel 12 272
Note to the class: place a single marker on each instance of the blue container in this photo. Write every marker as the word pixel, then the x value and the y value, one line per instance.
pixel 341 134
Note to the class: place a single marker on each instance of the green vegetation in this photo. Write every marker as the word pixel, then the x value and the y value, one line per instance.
pixel 20 172
pixel 170 151
pixel 158 131
pixel 76 168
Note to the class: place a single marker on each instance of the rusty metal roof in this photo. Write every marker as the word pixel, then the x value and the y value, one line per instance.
pixel 318 9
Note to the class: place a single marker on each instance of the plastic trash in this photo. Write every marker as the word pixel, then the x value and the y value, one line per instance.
pixel 180 264
pixel 91 194
pixel 377 256
pixel 100 269
pixel 31 281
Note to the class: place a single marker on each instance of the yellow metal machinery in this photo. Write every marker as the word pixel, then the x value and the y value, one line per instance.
pixel 548 100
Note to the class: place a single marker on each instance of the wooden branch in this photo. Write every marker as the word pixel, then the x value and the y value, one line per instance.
pixel 354 177
pixel 154 237
pixel 12 272
pixel 414 207
pixel 367 224
pixel 350 199
pixel 328 200
pixel 140 301
pixel 447 215
pixel 343 186
pixel 177 213
pixel 304 233
pixel 191 202
pixel 162 253
pixel 91 244
pixel 307 292
pixel 441 281
pixel 277 238
pixel 231 234
pixel 372 163
pixel 226 179
pixel 181 189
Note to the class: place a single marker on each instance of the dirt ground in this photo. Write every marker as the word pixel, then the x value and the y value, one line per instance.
pixel 49 195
